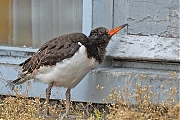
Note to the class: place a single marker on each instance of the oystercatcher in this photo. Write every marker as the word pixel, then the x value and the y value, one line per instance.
pixel 65 60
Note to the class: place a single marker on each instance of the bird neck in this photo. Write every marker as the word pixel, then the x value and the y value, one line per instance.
pixel 95 51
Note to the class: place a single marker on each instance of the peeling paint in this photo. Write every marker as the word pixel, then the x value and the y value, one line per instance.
pixel 154 17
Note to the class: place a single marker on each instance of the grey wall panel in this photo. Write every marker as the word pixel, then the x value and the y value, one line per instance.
pixel 157 17
pixel 54 18
pixel 102 13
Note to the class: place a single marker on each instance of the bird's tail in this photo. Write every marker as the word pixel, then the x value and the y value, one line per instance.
pixel 11 84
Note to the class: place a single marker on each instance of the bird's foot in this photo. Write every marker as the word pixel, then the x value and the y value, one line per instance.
pixel 65 115
pixel 46 112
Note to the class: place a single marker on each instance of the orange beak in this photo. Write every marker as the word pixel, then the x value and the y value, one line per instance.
pixel 115 30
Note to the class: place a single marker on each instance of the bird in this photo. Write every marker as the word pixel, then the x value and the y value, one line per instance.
pixel 65 60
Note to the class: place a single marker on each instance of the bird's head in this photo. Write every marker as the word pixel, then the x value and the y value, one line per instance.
pixel 101 35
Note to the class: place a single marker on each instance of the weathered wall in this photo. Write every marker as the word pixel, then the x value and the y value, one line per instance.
pixel 155 17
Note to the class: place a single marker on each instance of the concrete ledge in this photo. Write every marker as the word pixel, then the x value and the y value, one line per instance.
pixel 151 48
pixel 15 55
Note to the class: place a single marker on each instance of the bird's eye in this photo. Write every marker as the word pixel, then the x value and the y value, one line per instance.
pixel 93 33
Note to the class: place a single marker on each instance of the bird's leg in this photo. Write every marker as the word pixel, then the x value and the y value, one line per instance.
pixel 48 94
pixel 68 95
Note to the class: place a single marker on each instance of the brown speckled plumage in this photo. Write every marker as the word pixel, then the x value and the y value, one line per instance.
pixel 54 51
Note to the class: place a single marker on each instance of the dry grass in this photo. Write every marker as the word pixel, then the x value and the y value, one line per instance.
pixel 23 108
pixel 143 109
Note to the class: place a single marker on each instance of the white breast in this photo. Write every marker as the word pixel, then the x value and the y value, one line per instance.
pixel 69 72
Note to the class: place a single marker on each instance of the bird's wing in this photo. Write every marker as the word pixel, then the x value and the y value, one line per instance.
pixel 54 51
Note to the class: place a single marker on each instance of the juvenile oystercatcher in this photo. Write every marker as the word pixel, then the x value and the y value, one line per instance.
pixel 65 60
